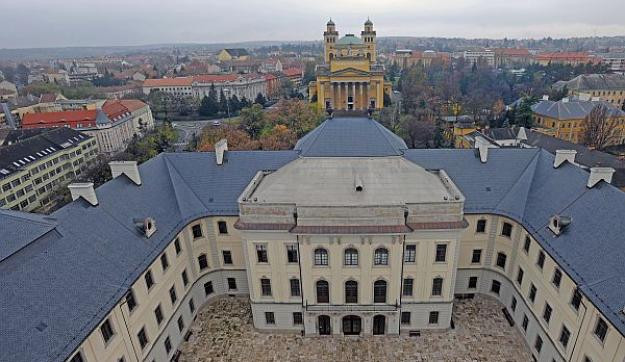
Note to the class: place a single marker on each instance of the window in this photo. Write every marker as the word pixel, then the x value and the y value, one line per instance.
pixel 538 344
pixel 321 256
pixel 232 284
pixel 557 278
pixel 410 255
pixel 441 253
pixel 298 318
pixel 433 318
pixel 519 276
pixel 565 335
pixel 601 329
pixel 223 227
pixel 587 359
pixel 476 258
pixel 270 318
pixel 208 288
pixel 180 323
pixel 526 245
pixel 261 253
pixel 295 288
pixel 495 286
pixel 323 292
pixel 291 253
pixel 202 261
pixel 177 246
pixel 77 358
pixel 525 323
pixel 506 229
pixel 149 281
pixel 380 257
pixel 131 302
pixel 351 256
pixel 541 259
pixel 185 278
pixel 227 255
pixel 158 314
pixel 576 299
pixel 408 284
pixel 379 291
pixel 172 294
pixel 405 317
pixel 547 313
pixel 167 344
pixel 197 231
pixel 513 304
pixel 164 261
pixel 532 294
pixel 351 291
pixel 472 282
pixel 143 338
pixel 437 286
pixel 265 287
pixel 107 331
pixel 481 226
pixel 191 306
pixel 501 260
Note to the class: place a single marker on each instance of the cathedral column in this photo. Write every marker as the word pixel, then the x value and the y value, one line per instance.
pixel 346 95
pixel 378 102
pixel 362 102
pixel 354 95
pixel 321 98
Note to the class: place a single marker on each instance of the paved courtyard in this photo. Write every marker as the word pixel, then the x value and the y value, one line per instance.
pixel 223 331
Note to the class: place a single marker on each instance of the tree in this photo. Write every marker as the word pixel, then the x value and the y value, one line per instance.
pixel 237 139
pixel 418 129
pixel 253 120
pixel 299 116
pixel 599 130
pixel 208 107
pixel 387 100
pixel 235 104
pixel 280 138
pixel 287 88
pixel 223 102
pixel 260 99
pixel 523 115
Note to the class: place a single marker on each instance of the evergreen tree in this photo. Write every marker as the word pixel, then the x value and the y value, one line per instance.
pixel 260 99
pixel 208 107
pixel 235 105
pixel 223 102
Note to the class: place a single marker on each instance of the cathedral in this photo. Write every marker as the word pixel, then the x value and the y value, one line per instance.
pixel 350 78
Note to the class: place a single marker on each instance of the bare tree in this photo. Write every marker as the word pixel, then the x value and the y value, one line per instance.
pixel 418 128
pixel 599 130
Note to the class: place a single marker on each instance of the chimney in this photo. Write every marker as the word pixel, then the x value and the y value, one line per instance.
pixel 599 174
pixel 565 100
pixel 564 155
pixel 84 190
pixel 128 168
pixel 220 149
pixel 545 97
pixel 482 148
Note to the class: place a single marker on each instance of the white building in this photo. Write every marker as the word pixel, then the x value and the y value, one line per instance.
pixel 476 56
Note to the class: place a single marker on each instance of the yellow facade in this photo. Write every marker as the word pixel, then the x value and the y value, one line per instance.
pixel 572 130
pixel 350 79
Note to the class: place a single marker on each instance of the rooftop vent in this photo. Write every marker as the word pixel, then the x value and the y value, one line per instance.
pixel 358 184
pixel 545 97
pixel 220 149
pixel 599 174
pixel 146 226
pixel 564 156
pixel 559 223
pixel 83 190
pixel 128 168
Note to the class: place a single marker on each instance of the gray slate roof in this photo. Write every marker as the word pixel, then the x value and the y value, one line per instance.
pixel 61 283
pixel 586 82
pixel 574 109
pixel 350 137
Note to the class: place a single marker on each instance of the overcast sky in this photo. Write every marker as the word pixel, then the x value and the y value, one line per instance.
pixel 51 23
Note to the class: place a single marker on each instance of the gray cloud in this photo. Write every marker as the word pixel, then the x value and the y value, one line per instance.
pixel 47 23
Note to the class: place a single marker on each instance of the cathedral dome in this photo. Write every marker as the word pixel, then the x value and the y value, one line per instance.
pixel 349 39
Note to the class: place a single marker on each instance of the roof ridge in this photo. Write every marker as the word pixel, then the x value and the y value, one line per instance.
pixel 171 167
pixel 384 134
pixel 533 161
pixel 320 128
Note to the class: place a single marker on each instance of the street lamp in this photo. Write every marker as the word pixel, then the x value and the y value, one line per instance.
pixel 226 94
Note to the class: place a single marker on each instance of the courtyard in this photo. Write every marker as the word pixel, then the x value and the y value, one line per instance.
pixel 223 331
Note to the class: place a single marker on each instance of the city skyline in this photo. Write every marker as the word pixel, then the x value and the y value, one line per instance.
pixel 251 20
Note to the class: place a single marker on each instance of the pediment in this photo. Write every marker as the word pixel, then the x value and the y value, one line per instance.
pixel 350 72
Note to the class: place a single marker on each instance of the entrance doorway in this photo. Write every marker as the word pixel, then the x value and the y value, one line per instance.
pixel 379 325
pixel 351 325
pixel 350 103
pixel 324 325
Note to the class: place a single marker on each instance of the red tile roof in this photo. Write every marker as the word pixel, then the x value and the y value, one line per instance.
pixel 215 78
pixel 114 109
pixel 133 104
pixel 86 118
pixel 291 72
pixel 169 82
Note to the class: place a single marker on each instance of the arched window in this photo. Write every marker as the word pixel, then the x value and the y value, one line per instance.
pixel 321 256
pixel 351 291
pixel 379 291
pixel 351 256
pixel 323 291
pixel 202 261
pixel 380 257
